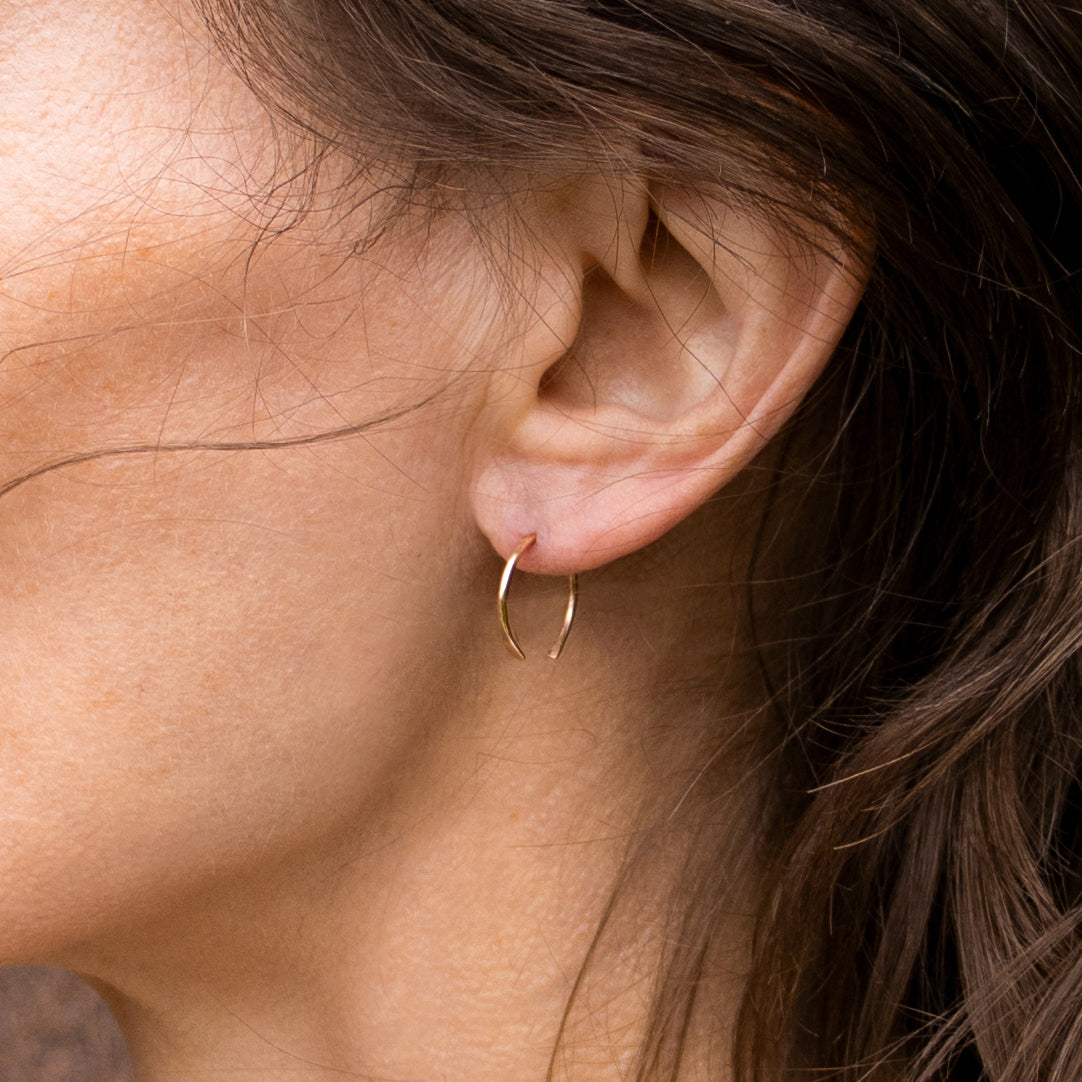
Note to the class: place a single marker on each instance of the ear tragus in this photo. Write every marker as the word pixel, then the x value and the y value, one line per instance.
pixel 699 331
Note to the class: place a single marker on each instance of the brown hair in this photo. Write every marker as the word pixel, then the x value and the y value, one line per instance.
pixel 922 917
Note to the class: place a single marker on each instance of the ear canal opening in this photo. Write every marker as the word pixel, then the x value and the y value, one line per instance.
pixel 568 382
pixel 597 283
pixel 654 239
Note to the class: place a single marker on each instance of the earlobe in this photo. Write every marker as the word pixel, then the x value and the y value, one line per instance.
pixel 699 332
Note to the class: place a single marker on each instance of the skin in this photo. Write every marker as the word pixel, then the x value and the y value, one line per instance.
pixel 167 612
pixel 264 781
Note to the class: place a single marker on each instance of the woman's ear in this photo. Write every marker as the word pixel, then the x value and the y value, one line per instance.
pixel 690 333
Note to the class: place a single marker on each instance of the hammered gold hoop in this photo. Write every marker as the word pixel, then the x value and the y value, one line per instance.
pixel 505 585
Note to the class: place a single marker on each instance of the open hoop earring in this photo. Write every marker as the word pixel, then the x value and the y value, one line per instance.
pixel 505 585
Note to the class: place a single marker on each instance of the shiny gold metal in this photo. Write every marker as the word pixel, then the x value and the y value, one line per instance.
pixel 505 585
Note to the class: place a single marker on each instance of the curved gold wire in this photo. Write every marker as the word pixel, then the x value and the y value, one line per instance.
pixel 505 585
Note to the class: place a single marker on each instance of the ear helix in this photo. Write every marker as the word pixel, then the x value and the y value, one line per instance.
pixel 505 585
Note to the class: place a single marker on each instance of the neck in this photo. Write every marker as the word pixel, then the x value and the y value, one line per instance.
pixel 449 927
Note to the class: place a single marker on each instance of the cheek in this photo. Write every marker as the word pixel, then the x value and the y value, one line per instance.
pixel 207 655
pixel 202 671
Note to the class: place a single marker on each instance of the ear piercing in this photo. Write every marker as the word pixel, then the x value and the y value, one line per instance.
pixel 505 585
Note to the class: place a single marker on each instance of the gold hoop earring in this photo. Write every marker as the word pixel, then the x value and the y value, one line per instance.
pixel 505 586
